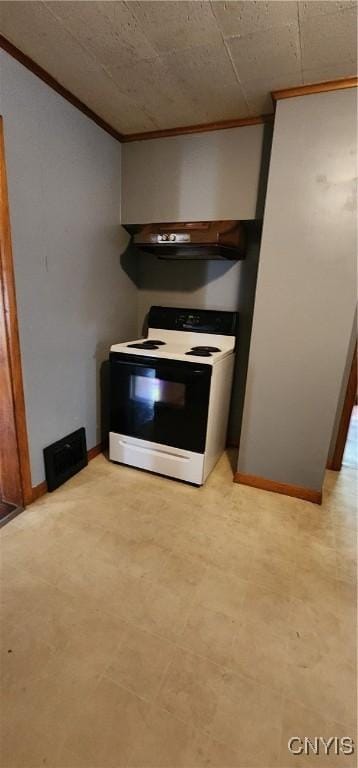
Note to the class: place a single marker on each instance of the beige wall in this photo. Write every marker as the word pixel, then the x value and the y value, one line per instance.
pixel 306 291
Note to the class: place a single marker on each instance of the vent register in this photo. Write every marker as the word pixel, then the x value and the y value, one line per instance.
pixel 65 458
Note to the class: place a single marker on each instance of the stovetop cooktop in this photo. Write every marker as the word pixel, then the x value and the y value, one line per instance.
pixel 185 334
pixel 146 344
pixel 175 347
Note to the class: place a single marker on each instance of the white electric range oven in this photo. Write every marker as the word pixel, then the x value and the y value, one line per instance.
pixel 170 393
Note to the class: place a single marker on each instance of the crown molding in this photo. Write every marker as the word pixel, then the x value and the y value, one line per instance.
pixel 304 90
pixel 56 86
pixel 220 125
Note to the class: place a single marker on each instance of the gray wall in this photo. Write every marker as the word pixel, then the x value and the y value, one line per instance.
pixel 74 298
pixel 213 285
pixel 306 291
pixel 196 177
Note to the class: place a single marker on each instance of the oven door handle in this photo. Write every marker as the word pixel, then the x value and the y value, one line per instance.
pixel 159 364
pixel 132 363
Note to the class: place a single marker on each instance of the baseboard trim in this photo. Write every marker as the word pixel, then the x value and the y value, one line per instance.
pixel 95 451
pixel 38 491
pixel 331 466
pixel 298 491
pixel 41 489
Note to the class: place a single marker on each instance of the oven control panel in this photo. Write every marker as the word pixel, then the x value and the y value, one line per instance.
pixel 194 320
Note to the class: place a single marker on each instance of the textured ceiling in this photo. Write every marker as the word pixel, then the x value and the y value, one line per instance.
pixel 143 66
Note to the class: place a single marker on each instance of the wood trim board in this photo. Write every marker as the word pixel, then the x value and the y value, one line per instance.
pixel 263 483
pixel 41 489
pixel 95 451
pixel 220 125
pixel 41 73
pixel 349 401
pixel 38 491
pixel 306 90
pixel 15 451
pixel 10 478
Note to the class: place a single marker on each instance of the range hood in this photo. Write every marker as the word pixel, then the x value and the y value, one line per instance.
pixel 193 240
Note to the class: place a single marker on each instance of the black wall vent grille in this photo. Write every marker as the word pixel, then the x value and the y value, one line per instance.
pixel 65 458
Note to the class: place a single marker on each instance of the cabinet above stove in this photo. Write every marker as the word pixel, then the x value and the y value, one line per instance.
pixel 199 177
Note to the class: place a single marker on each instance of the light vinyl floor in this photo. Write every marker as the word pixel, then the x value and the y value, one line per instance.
pixel 150 624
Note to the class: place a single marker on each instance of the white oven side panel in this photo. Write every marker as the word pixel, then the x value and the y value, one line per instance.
pixel 219 405
pixel 155 457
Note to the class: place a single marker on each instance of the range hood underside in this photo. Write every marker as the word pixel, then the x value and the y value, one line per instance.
pixel 202 240
pixel 180 253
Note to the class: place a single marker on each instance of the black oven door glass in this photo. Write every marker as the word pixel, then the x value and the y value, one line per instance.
pixel 159 400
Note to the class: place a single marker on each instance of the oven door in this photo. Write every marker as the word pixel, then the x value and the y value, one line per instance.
pixel 163 401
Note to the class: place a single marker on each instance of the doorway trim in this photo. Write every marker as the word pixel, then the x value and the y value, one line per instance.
pixel 14 448
pixel 335 462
